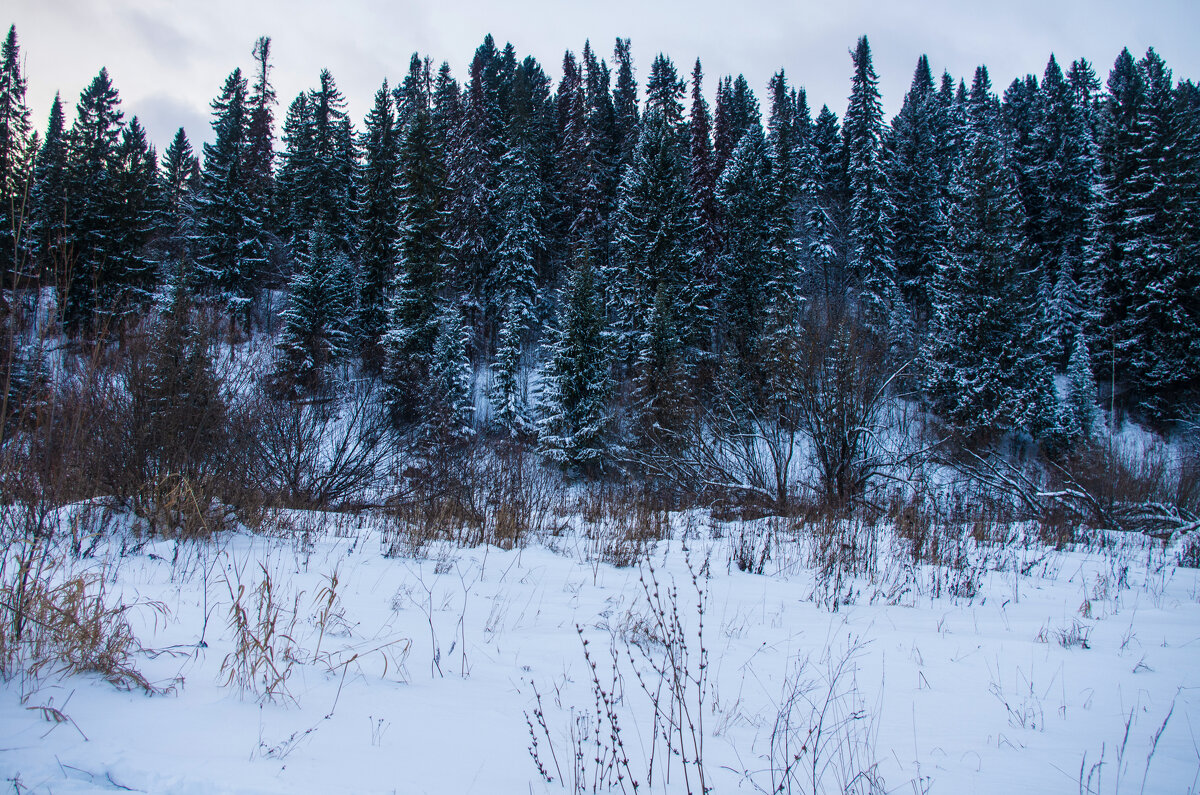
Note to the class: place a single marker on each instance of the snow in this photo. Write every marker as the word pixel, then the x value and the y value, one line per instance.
pixel 945 694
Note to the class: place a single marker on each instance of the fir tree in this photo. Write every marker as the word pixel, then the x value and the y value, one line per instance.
pixel 412 326
pixel 89 289
pixel 260 136
pixel 662 393
pixel 135 178
pixel 379 206
pixel 654 223
pixel 914 185
pixel 295 206
pixel 1157 341
pixel 179 187
pixel 1064 176
pixel 747 199
pixel 703 181
pixel 986 371
pixel 1080 409
pixel 829 219
pixel 574 429
pixel 871 260
pixel 522 200
pixel 625 102
pixel 447 409
pixel 334 163
pixel 316 324
pixel 472 227
pixel 230 255
pixel 50 194
pixel 16 159
pixel 736 112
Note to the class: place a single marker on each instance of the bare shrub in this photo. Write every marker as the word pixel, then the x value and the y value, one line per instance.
pixel 319 454
pixel 823 737
pixel 668 658
pixel 750 548
pixel 480 496
pixel 841 551
pixel 630 521
pixel 1099 486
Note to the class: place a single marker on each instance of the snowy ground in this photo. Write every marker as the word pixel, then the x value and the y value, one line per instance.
pixel 1059 661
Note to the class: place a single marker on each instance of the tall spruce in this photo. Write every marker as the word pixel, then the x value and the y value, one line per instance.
pixel 872 266
pixel 703 177
pixel 317 331
pixel 986 369
pixel 625 101
pixel 1156 342
pixel 915 197
pixel 522 202
pixel 91 291
pixel 231 253
pixel 378 238
pixel 260 136
pixel 138 215
pixel 655 232
pixel 180 183
pixel 412 325
pixel 575 425
pixel 49 204
pixel 16 161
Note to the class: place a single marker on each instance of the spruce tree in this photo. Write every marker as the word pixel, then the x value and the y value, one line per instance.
pixel 735 113
pixel 412 326
pixel 16 161
pixel 655 232
pixel 914 186
pixel 575 424
pixel 230 250
pixel 986 369
pixel 89 290
pixel 871 263
pixel 703 177
pixel 625 102
pixel 179 187
pixel 522 201
pixel 260 136
pixel 1064 177
pixel 1156 341
pixel 334 163
pixel 295 208
pixel 746 196
pixel 378 208
pixel 317 322
pixel 135 178
pixel 1080 411
pixel 447 410
pixel 829 219
pixel 48 216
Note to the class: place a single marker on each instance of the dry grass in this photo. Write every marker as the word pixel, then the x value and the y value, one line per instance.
pixel 264 646
pixel 70 628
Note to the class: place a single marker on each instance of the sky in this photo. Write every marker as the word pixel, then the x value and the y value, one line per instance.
pixel 169 58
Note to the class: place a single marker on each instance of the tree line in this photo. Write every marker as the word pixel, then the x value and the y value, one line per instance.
pixel 614 265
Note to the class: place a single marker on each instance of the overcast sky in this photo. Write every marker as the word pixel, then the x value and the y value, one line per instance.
pixel 168 58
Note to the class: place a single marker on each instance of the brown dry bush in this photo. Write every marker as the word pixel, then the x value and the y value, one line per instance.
pixel 472 495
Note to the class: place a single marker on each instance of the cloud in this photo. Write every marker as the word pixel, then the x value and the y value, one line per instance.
pixel 158 36
pixel 162 114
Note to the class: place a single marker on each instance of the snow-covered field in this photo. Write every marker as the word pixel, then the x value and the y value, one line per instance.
pixel 423 673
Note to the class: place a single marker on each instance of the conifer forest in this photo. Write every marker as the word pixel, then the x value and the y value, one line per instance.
pixel 695 360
